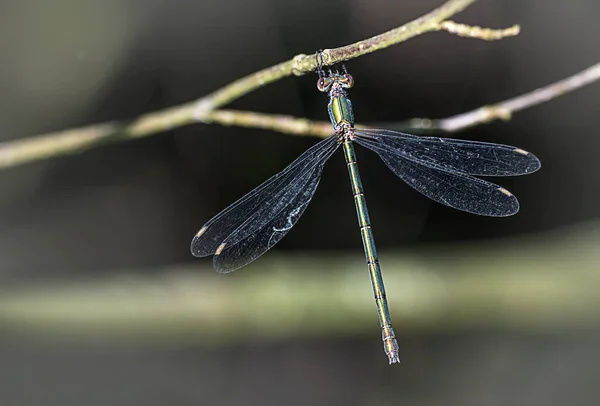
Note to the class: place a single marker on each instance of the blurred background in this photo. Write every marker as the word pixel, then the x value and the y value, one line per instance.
pixel 101 302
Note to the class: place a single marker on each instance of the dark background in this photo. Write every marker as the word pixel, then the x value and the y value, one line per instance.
pixel 132 207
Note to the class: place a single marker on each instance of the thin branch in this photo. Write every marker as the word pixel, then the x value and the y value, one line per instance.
pixel 487 34
pixel 17 152
pixel 505 109
pixel 280 123
pixel 302 64
pixel 427 23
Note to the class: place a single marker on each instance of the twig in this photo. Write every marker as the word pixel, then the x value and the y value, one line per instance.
pixel 486 34
pixel 505 109
pixel 17 152
pixel 302 64
pixel 280 123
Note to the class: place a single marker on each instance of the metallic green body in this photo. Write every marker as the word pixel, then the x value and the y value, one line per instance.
pixel 342 118
pixel 340 111
pixel 390 344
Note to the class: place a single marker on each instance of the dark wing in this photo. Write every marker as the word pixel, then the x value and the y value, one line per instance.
pixel 468 157
pixel 249 227
pixel 449 187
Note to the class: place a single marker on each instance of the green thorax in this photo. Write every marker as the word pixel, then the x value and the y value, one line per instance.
pixel 340 110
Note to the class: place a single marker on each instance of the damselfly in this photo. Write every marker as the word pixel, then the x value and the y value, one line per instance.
pixel 442 169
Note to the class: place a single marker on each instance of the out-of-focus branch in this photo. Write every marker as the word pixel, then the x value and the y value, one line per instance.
pixel 524 288
pixel 505 109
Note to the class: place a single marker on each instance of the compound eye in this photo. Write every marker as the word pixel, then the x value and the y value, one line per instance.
pixel 348 80
pixel 323 84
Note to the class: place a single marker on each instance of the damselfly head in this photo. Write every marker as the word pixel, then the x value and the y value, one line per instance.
pixel 325 83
